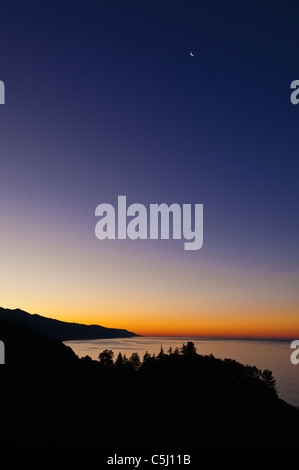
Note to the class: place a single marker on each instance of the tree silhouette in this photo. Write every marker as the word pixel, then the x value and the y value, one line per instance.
pixel 188 349
pixel 106 357
pixel 146 356
pixel 125 360
pixel 87 359
pixel 268 379
pixel 161 353
pixel 119 362
pixel 135 361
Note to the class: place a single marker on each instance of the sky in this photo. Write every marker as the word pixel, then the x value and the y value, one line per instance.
pixel 102 98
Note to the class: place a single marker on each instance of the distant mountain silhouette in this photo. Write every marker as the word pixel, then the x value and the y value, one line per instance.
pixel 60 330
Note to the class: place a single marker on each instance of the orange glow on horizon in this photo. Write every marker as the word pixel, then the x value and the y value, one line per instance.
pixel 171 315
pixel 267 323
pixel 151 295
pixel 228 328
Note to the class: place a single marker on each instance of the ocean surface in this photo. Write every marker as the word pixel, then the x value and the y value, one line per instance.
pixel 264 354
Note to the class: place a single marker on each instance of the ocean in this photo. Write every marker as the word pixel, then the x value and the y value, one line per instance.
pixel 264 354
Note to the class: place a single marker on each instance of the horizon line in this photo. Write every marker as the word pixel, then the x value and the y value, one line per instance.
pixel 172 335
pixel 223 337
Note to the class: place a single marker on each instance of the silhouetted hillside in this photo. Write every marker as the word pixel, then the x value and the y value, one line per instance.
pixel 24 345
pixel 51 399
pixel 60 330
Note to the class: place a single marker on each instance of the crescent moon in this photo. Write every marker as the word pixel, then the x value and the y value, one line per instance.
pixel 191 53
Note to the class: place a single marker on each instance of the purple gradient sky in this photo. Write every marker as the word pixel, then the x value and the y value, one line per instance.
pixel 104 99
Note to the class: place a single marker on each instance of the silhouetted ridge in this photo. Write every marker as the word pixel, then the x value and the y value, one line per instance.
pixel 179 400
pixel 26 345
pixel 60 330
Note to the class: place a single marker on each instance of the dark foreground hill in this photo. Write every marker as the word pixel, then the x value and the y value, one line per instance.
pixel 51 399
pixel 63 331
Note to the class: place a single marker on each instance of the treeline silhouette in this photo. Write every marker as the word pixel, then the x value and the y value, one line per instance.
pixel 187 357
pixel 179 399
